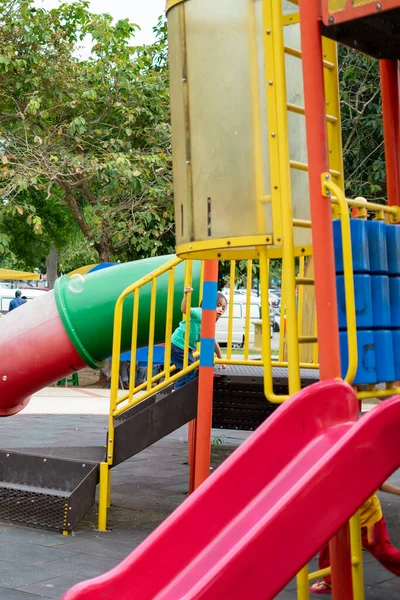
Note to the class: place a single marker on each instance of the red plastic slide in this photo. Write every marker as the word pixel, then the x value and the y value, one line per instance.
pixel 268 508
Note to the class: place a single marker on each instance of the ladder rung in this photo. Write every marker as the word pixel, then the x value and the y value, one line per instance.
pixel 297 54
pixel 308 339
pixel 295 164
pixel 292 51
pixel 331 119
pixel 302 223
pixel 300 166
pixel 300 110
pixel 305 280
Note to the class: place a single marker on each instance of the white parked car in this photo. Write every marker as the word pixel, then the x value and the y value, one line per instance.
pixel 238 322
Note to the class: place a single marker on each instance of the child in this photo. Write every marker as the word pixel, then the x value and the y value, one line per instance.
pixel 375 539
pixel 178 337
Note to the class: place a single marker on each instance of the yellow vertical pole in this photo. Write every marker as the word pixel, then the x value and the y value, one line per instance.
pixel 282 326
pixel 300 296
pixel 273 27
pixel 333 127
pixel 109 488
pixel 356 556
pixel 152 325
pixel 248 308
pixel 256 120
pixel 288 266
pixel 135 321
pixel 103 497
pixel 168 322
pixel 186 317
pixel 231 307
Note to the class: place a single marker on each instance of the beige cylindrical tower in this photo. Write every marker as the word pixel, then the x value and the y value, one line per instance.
pixel 221 130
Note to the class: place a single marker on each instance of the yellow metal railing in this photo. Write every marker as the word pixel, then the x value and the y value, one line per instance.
pixel 121 402
pixel 333 191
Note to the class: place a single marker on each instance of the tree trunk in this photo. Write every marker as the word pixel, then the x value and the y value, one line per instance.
pixel 51 267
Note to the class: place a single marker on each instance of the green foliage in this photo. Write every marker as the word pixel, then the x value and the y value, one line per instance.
pixel 29 236
pixel 93 133
pixel 362 125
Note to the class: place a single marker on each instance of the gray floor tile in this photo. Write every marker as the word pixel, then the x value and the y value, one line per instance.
pixel 6 594
pixel 80 563
pixel 376 592
pixel 40 537
pixel 98 547
pixel 375 573
pixel 56 588
pixel 30 554
pixel 13 575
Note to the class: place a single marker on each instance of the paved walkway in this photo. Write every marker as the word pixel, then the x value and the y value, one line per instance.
pixel 38 564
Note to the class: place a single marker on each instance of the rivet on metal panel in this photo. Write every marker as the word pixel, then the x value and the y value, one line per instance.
pixel 268 31
pixel 7 455
pixel 45 460
pixel 331 19
pixel 83 465
pixel 270 82
pixel 273 134
pixel 379 6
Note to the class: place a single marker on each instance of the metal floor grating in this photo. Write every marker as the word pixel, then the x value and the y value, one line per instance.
pixel 252 371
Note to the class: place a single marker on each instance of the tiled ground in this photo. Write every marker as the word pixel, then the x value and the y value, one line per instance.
pixel 38 564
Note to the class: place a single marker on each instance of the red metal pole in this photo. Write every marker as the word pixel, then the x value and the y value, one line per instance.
pixel 391 129
pixel 323 251
pixel 202 453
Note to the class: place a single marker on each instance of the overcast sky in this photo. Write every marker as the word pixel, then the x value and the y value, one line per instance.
pixel 143 12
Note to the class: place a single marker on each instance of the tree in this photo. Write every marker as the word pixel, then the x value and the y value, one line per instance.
pixel 362 125
pixel 93 133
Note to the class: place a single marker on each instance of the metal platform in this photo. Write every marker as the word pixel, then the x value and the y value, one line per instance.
pixel 239 401
pixel 54 487
pixel 376 34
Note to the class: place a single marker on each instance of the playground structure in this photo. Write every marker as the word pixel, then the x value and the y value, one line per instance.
pixel 244 190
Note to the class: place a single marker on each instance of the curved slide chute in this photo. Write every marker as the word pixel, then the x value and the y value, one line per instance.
pixel 71 327
pixel 266 511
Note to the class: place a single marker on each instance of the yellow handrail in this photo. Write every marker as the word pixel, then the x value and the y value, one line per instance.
pixel 117 334
pixel 333 191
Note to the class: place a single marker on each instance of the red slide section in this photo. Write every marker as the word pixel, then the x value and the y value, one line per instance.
pixel 35 351
pixel 268 508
